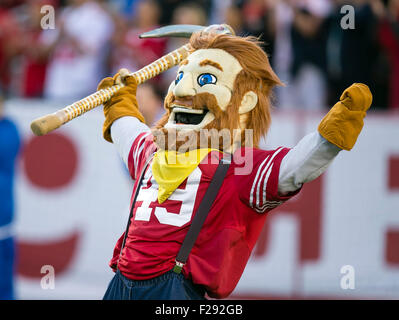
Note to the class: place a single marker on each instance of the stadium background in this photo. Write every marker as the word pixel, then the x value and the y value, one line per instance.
pixel 72 190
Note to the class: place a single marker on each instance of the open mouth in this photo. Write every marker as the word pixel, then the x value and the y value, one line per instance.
pixel 188 116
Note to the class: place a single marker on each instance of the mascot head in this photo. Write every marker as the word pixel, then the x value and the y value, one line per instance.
pixel 225 84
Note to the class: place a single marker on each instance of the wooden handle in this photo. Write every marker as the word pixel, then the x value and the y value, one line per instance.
pixel 50 122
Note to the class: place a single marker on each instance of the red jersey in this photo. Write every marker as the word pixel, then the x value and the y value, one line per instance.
pixel 231 228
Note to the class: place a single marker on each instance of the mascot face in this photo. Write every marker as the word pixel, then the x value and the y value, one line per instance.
pixel 206 71
pixel 201 97
pixel 221 89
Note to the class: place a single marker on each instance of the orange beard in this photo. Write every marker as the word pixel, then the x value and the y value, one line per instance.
pixel 219 134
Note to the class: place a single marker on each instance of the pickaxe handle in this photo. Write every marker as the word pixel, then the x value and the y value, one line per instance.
pixel 50 122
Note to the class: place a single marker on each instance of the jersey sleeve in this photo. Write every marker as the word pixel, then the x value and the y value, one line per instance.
pixel 305 162
pixel 141 148
pixel 258 184
pixel 124 132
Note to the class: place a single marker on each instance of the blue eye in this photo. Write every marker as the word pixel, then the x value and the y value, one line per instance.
pixel 179 77
pixel 206 78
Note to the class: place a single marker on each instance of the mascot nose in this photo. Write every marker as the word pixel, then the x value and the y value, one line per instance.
pixel 185 87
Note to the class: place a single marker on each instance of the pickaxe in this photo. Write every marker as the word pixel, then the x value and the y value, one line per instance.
pixel 50 122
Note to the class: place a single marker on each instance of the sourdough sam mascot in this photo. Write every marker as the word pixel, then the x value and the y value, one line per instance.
pixel 200 200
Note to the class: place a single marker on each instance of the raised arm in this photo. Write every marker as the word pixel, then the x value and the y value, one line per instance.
pixel 305 162
pixel 124 132
pixel 123 120
pixel 338 131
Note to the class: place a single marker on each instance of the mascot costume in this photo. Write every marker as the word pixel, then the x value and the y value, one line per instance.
pixel 202 187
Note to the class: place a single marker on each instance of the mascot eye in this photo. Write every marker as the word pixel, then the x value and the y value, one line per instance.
pixel 179 77
pixel 206 78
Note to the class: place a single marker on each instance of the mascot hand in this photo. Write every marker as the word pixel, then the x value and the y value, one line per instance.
pixel 123 103
pixel 343 123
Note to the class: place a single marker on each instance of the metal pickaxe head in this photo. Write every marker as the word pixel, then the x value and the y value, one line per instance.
pixel 186 30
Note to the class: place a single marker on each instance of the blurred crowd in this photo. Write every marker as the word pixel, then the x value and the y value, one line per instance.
pixel 314 55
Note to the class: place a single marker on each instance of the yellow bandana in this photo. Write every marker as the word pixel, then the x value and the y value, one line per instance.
pixel 170 169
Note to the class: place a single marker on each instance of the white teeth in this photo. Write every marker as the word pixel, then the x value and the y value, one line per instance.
pixel 208 118
pixel 177 108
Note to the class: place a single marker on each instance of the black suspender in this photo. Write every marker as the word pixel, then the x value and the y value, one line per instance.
pixel 201 214
pixel 199 217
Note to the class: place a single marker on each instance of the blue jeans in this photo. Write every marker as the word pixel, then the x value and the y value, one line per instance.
pixel 168 286
pixel 7 254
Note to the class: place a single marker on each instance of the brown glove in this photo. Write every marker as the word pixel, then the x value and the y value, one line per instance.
pixel 344 122
pixel 123 103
